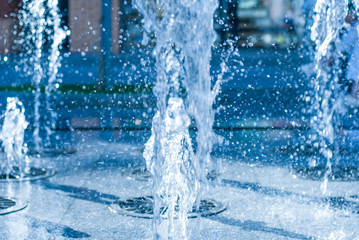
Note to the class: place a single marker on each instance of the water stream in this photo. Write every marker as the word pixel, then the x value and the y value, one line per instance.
pixel 41 37
pixel 15 161
pixel 185 91
pixel 328 95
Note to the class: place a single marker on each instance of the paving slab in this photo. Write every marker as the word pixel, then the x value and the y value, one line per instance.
pixel 264 201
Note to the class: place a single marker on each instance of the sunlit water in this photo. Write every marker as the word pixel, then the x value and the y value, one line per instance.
pixel 12 137
pixel 41 37
pixel 327 96
pixel 184 90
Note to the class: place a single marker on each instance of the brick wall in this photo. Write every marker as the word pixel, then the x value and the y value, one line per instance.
pixel 84 23
pixel 7 21
pixel 7 7
pixel 6 40
pixel 115 26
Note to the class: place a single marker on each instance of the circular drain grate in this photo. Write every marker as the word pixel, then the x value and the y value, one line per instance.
pixel 143 207
pixel 8 205
pixel 339 173
pixel 32 174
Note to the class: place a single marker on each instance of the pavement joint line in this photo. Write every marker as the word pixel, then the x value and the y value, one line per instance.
pixel 83 180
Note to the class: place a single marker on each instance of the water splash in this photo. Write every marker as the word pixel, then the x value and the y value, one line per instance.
pixel 184 90
pixel 41 37
pixel 58 35
pixel 32 21
pixel 12 137
pixel 327 97
pixel 175 179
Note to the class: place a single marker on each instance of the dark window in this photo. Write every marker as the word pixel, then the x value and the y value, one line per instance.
pixel 64 12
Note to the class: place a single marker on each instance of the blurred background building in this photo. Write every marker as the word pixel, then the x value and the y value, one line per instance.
pixel 7 23
pixel 250 23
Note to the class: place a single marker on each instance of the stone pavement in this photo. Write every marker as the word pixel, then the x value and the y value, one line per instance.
pixel 264 199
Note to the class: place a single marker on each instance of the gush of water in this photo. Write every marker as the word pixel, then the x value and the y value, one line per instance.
pixel 184 90
pixel 40 39
pixel 12 137
pixel 327 98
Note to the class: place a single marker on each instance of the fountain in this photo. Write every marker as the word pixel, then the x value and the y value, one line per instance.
pixel 41 37
pixel 184 90
pixel 265 200
pixel 15 165
pixel 327 99
pixel 323 153
pixel 12 137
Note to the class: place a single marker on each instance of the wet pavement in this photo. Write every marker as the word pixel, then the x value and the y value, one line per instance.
pixel 265 199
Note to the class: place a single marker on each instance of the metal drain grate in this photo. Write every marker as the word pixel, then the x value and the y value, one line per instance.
pixel 143 207
pixel 339 173
pixel 32 174
pixel 8 205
